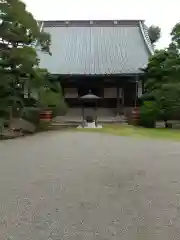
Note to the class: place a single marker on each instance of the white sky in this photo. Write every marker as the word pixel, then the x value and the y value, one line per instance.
pixel 158 12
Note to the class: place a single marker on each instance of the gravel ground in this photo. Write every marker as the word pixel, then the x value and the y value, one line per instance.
pixel 83 186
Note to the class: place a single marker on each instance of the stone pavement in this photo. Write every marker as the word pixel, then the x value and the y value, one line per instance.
pixel 58 186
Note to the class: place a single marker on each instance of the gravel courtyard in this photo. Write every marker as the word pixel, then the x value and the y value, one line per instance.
pixel 83 186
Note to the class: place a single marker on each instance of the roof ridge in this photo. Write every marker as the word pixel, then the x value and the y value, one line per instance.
pixel 86 23
pixel 87 20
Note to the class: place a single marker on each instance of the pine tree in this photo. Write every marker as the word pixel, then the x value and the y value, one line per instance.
pixel 20 33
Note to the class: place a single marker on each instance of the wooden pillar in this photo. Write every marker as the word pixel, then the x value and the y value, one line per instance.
pixel 136 90
pixel 83 113
pixel 122 97
pixel 96 116
pixel 118 100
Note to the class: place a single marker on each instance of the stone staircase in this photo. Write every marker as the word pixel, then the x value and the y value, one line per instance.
pixel 104 115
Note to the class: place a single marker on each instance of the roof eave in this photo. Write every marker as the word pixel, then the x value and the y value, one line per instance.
pixel 146 38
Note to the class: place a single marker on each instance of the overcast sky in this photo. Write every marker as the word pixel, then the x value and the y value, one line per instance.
pixel 157 12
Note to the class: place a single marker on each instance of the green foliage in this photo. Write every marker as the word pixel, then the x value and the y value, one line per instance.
pixel 19 27
pixel 60 109
pixel 154 33
pixel 168 100
pixel 162 80
pixel 48 98
pixel 163 67
pixel 175 34
pixel 31 114
pixel 149 114
pixel 39 78
pixel 19 64
pixel 52 99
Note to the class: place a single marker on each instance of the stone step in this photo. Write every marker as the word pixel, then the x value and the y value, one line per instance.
pixel 68 120
pixel 72 112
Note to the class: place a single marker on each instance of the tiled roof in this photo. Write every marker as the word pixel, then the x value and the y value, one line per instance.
pixel 96 47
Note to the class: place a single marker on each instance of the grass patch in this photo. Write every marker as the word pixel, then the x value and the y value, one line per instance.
pixel 121 130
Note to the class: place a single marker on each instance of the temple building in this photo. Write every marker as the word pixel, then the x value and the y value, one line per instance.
pixel 101 57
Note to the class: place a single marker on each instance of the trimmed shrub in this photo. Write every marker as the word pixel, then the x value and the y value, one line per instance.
pixel 31 114
pixel 60 109
pixel 148 114
pixel 54 101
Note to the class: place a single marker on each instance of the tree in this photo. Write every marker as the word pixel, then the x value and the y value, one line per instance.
pixel 162 81
pixel 155 73
pixel 19 34
pixel 163 67
pixel 154 33
pixel 175 35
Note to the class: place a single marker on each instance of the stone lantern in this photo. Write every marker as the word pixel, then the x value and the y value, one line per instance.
pixel 92 99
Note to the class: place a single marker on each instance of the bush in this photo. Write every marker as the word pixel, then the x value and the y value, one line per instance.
pixel 54 101
pixel 148 114
pixel 31 114
pixel 59 110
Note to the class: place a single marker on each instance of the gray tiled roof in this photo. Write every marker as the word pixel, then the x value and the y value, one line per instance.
pixel 119 48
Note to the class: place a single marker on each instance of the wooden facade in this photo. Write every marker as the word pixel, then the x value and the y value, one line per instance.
pixel 115 92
